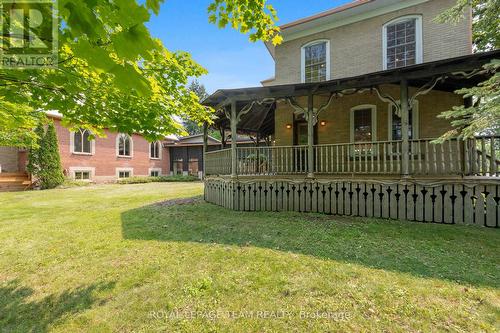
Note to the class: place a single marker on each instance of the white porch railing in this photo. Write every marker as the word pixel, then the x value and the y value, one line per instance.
pixel 483 156
pixel 475 157
pixel 218 162
pixel 383 157
pixel 272 160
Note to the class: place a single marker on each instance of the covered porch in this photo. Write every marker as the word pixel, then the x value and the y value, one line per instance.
pixel 313 141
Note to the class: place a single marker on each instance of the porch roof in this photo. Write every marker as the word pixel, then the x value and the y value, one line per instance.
pixel 417 76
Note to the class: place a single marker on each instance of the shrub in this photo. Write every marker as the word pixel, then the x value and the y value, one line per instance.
pixel 33 166
pixel 136 180
pixel 160 179
pixel 49 161
pixel 68 183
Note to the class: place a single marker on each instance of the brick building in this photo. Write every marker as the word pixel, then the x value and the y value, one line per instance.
pixel 103 159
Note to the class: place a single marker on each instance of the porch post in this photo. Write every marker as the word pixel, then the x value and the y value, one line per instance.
pixel 405 147
pixel 223 138
pixel 310 136
pixel 205 146
pixel 234 135
pixel 257 162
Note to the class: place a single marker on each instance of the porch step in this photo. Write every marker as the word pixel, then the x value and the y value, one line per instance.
pixel 10 182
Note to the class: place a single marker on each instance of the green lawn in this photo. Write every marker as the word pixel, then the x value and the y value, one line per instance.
pixel 107 258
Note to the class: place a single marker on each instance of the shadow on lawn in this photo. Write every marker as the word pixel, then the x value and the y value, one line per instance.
pixel 18 314
pixel 456 253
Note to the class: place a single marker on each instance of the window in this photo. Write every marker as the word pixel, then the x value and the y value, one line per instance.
pixel 363 120
pixel 154 150
pixel 123 174
pixel 193 166
pixel 402 42
pixel 154 173
pixel 124 143
pixel 82 175
pixel 178 166
pixel 81 142
pixel 395 123
pixel 315 60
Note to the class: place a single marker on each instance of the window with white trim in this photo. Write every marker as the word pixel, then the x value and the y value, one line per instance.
pixel 124 143
pixel 154 150
pixel 154 173
pixel 315 61
pixel 123 174
pixel 81 142
pixel 363 123
pixel 402 42
pixel 82 175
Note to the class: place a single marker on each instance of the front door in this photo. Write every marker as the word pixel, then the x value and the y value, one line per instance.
pixel 301 139
pixel 301 134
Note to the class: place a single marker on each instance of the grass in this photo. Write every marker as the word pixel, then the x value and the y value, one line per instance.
pixel 107 258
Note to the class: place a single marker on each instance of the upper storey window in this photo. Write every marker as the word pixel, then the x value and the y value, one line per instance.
pixel 155 150
pixel 402 39
pixel 123 145
pixel 316 61
pixel 82 143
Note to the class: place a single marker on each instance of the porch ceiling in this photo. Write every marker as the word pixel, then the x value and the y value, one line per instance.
pixel 258 121
pixel 417 76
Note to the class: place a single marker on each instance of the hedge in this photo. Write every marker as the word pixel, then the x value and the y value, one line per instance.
pixel 160 179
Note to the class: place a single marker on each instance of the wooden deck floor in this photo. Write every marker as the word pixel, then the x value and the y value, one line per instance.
pixel 10 182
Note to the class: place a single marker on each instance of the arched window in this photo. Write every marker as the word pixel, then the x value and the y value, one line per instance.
pixel 124 145
pixel 81 142
pixel 315 61
pixel 154 150
pixel 402 42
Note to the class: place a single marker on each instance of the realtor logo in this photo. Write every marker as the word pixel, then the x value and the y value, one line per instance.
pixel 29 33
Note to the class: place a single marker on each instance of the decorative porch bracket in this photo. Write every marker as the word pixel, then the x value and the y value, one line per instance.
pixel 234 117
pixel 311 116
pixel 403 107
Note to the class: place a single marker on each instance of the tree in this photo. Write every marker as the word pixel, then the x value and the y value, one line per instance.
pixel 483 116
pixel 485 15
pixel 112 73
pixel 33 166
pixel 50 172
pixel 191 126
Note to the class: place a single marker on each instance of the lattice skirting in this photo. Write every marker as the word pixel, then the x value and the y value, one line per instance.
pixel 451 202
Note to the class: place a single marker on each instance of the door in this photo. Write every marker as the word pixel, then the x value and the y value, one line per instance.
pixel 301 139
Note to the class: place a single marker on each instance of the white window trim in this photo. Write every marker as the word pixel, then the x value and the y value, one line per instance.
pixel 419 52
pixel 374 120
pixel 117 172
pixel 159 151
pixel 74 169
pixel 415 121
pixel 303 58
pixel 72 145
pixel 154 169
pixel 117 144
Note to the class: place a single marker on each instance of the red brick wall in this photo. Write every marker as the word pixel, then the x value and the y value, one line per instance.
pixel 104 158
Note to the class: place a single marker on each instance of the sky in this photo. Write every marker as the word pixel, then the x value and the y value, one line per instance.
pixel 230 58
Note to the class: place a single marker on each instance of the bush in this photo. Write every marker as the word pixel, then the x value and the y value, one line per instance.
pixel 33 166
pixel 68 183
pixel 50 173
pixel 160 179
pixel 44 161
